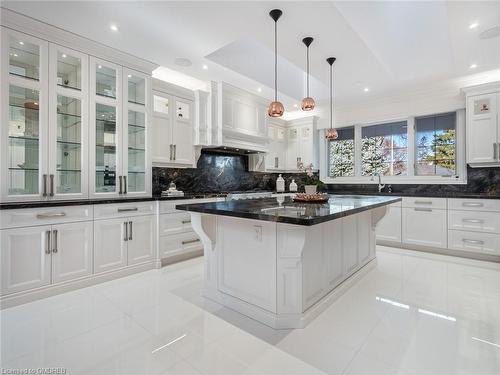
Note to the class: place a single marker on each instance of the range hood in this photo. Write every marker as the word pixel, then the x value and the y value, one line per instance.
pixel 224 150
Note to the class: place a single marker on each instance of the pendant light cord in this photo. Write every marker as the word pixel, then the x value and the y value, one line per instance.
pixel 307 77
pixel 275 61
pixel 331 97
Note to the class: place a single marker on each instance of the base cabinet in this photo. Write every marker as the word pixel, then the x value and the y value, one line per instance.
pixel 25 263
pixel 110 245
pixel 424 226
pixel 71 251
pixel 140 246
pixel 389 228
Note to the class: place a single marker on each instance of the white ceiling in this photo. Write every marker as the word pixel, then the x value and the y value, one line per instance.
pixel 387 46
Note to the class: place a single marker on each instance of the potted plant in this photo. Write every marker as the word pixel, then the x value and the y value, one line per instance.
pixel 311 182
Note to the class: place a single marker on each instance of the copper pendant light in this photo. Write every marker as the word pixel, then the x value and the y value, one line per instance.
pixel 275 109
pixel 308 102
pixel 331 133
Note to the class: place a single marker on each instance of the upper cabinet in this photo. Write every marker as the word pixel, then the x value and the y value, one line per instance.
pixel 302 143
pixel 173 119
pixel 72 125
pixel 483 125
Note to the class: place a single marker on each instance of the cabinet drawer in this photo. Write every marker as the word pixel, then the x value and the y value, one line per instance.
pixel 439 203
pixel 171 245
pixel 174 223
pixel 476 221
pixel 485 243
pixel 25 217
pixel 109 211
pixel 474 204
pixel 424 226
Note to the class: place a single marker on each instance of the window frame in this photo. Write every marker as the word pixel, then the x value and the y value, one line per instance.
pixel 410 178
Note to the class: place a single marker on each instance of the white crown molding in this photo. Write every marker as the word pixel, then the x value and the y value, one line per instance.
pixel 38 29
pixel 170 88
pixel 485 88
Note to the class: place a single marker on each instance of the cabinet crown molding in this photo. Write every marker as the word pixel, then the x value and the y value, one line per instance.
pixel 484 88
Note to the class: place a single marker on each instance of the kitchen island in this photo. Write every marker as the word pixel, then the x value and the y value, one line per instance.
pixel 282 262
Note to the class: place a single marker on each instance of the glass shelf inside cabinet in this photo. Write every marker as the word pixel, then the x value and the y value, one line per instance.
pixel 23 142
pixel 105 81
pixel 69 147
pixel 106 152
pixel 136 151
pixel 136 89
pixel 24 58
pixel 69 71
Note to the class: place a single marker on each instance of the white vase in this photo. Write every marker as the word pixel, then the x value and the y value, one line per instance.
pixel 311 189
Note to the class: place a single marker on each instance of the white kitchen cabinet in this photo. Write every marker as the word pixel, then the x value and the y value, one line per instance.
pixel 110 244
pixel 483 125
pixel 179 243
pixel 424 226
pixel 72 245
pixel 276 154
pixel 173 125
pixel 140 242
pixel 302 143
pixel 476 242
pixel 389 227
pixel 350 244
pixel 25 258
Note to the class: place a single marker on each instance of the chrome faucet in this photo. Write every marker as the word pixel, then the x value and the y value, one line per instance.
pixel 380 185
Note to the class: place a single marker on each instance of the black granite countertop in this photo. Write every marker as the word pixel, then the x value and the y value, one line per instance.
pixel 80 202
pixel 285 210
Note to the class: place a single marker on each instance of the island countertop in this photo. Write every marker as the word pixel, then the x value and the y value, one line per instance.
pixel 285 210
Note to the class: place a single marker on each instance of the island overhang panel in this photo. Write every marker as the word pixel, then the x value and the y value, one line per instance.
pixel 280 262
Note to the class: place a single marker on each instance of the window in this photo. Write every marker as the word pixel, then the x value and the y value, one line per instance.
pixel 436 145
pixel 384 149
pixel 416 150
pixel 341 154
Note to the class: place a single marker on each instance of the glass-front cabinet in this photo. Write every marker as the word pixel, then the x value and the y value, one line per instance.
pixel 119 117
pixel 24 125
pixel 68 123
pixel 72 126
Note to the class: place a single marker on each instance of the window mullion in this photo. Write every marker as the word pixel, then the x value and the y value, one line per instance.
pixel 412 149
pixel 357 150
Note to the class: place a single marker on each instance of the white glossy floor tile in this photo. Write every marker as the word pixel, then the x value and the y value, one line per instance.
pixel 414 314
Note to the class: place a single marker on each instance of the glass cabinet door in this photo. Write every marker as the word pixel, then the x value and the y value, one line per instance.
pixel 24 141
pixel 106 145
pixel 135 113
pixel 68 124
pixel 23 124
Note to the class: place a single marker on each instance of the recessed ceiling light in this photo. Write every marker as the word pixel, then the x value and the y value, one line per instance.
pixel 129 76
pixel 113 27
pixel 63 55
pixel 99 66
pixel 473 66
pixel 366 89
pixel 182 61
pixel 205 67
pixel 259 89
pixel 295 106
pixel 21 43
pixel 473 25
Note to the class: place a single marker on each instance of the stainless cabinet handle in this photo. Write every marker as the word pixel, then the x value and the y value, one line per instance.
pixel 473 221
pixel 276 162
pixel 423 209
pixel 128 209
pixel 473 242
pixel 130 231
pixel 47 242
pixel 186 221
pixel 125 238
pixel 44 185
pixel 54 249
pixel 171 152
pixel 51 185
pixel 50 215
pixel 471 204
pixel 495 155
pixel 175 152
pixel 124 184
pixel 190 241
pixel 423 202
pixel 120 178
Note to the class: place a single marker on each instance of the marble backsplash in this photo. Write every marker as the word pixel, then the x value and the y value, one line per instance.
pixel 217 173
